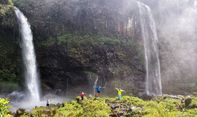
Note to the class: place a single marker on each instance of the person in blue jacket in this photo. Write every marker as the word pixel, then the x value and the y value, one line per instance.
pixel 98 90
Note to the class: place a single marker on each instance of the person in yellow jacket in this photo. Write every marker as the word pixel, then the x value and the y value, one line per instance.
pixel 119 92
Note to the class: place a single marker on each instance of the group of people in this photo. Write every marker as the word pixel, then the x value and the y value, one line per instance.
pixel 99 89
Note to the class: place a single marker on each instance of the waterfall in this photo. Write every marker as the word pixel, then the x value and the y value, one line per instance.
pixel 150 38
pixel 95 85
pixel 29 58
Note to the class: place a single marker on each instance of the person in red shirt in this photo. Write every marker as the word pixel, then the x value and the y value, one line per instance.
pixel 82 94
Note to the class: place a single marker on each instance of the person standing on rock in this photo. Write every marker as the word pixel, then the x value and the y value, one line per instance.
pixel 82 94
pixel 47 103
pixel 98 90
pixel 119 92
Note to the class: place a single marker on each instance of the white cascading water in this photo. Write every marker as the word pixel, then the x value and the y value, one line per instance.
pixel 29 58
pixel 149 35
pixel 95 85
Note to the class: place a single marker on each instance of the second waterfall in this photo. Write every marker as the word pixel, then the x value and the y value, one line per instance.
pixel 29 58
pixel 149 35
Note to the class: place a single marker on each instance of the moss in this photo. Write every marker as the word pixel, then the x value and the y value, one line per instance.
pixel 190 113
pixel 161 109
pixel 193 103
pixel 134 101
pixel 95 108
pixel 70 109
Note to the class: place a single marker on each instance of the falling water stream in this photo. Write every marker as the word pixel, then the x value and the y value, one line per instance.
pixel 29 58
pixel 149 35
pixel 95 85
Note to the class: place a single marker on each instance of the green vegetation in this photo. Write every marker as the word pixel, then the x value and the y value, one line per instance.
pixel 5 7
pixel 87 108
pixel 76 40
pixel 9 59
pixel 9 55
pixel 95 108
pixel 134 101
pixel 8 86
pixel 111 107
pixel 70 109
pixel 97 51
pixel 4 108
pixel 10 2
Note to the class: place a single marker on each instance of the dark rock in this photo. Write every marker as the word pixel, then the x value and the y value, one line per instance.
pixel 187 101
pixel 20 112
pixel 121 109
pixel 71 70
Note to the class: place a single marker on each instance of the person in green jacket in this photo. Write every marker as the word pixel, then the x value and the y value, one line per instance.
pixel 119 92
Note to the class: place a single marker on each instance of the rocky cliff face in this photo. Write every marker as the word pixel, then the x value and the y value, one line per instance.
pixel 76 44
pixel 80 41
pixel 76 64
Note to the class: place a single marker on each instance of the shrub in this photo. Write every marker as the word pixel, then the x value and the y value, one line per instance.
pixel 134 101
pixel 70 109
pixel 95 108
pixel 43 112
pixel 22 113
pixel 190 113
pixel 193 103
pixel 160 109
pixel 4 108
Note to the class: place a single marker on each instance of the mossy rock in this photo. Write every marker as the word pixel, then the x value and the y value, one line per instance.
pixel 21 113
pixel 44 111
pixel 188 101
